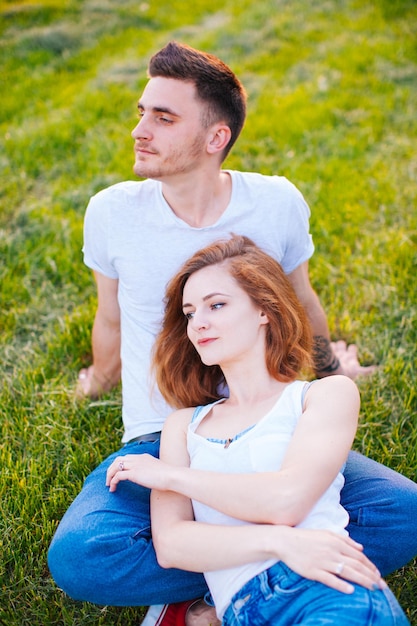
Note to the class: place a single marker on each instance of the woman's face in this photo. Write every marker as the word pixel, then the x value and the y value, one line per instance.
pixel 224 324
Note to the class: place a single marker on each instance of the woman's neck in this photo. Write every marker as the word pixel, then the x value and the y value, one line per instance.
pixel 253 387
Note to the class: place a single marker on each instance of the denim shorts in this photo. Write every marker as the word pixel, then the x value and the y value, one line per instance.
pixel 282 597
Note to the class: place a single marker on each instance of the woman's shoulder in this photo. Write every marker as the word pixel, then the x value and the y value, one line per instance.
pixel 338 386
pixel 179 418
pixel 336 381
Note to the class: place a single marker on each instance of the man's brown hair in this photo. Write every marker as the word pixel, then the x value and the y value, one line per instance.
pixel 216 85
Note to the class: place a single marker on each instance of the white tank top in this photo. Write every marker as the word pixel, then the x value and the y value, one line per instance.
pixel 257 449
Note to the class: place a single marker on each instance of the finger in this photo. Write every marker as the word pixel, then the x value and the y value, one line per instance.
pixel 361 561
pixel 352 564
pixel 116 479
pixel 352 349
pixel 355 566
pixel 119 476
pixel 367 370
pixel 339 345
pixel 353 544
pixel 362 575
pixel 83 374
pixel 109 474
pixel 333 581
pixel 355 557
pixel 118 465
pixel 83 383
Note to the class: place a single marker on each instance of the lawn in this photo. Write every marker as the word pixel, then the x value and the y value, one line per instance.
pixel 332 90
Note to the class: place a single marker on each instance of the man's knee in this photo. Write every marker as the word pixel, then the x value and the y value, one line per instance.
pixel 69 561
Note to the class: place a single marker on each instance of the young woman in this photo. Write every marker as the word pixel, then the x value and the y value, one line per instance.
pixel 247 486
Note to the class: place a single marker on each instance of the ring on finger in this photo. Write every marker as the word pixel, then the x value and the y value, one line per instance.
pixel 340 567
pixel 121 466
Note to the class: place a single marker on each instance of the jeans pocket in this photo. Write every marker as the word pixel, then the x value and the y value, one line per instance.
pixel 242 612
pixel 262 599
pixel 144 534
pixel 284 580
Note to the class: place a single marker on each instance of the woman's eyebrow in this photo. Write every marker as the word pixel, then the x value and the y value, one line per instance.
pixel 207 297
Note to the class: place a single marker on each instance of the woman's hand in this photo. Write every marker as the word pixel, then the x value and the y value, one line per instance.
pixel 331 559
pixel 142 469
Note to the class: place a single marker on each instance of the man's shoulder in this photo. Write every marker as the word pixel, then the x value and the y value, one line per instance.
pixel 262 181
pixel 127 188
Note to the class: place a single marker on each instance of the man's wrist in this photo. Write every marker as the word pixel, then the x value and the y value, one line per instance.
pixel 325 360
pixel 331 367
pixel 100 382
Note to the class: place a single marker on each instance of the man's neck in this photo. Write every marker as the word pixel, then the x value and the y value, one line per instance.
pixel 201 200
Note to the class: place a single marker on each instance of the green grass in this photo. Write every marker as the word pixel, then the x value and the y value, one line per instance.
pixel 332 105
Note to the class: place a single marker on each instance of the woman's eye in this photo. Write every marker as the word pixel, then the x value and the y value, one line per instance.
pixel 217 305
pixel 188 316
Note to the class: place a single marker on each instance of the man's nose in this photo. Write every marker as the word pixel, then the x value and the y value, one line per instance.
pixel 141 130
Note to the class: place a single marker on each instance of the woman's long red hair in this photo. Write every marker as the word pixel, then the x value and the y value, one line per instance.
pixel 181 376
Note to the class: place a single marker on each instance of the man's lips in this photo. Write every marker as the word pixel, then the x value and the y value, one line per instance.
pixel 143 150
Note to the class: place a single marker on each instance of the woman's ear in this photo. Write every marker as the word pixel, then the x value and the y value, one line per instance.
pixel 264 318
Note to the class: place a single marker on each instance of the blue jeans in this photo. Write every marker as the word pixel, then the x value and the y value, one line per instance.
pixel 102 551
pixel 281 597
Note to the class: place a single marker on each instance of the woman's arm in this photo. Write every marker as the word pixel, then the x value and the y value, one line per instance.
pixel 317 451
pixel 186 544
pixel 183 543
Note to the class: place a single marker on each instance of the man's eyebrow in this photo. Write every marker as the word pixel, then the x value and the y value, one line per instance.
pixel 158 109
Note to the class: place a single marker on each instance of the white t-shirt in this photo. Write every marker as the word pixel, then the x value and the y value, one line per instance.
pixel 131 234
pixel 260 448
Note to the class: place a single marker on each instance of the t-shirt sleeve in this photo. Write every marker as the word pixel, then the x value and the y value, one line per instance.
pixel 299 245
pixel 96 236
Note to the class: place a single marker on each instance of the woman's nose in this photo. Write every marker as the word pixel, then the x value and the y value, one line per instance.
pixel 199 323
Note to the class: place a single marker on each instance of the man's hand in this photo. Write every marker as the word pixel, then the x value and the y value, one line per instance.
pixel 349 363
pixel 89 385
pixel 331 358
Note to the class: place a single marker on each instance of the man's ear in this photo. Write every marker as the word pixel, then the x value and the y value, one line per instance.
pixel 219 137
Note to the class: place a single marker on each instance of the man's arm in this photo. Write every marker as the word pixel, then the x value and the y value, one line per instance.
pixel 104 373
pixel 329 358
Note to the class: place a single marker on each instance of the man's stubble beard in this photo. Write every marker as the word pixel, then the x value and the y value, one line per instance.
pixel 174 164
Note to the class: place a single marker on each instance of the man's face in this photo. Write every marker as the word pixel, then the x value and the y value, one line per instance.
pixel 170 139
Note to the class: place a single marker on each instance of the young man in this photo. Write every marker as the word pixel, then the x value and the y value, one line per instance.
pixel 137 234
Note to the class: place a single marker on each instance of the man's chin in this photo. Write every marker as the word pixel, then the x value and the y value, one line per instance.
pixel 142 171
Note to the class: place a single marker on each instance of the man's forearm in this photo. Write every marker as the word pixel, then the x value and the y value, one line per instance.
pixel 106 355
pixel 326 362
